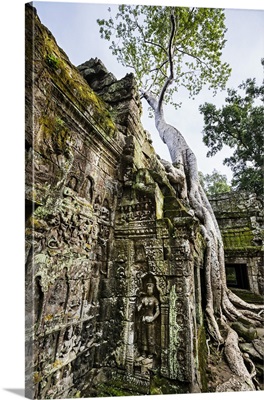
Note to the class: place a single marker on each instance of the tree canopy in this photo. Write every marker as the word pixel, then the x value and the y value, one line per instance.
pixel 142 38
pixel 215 183
pixel 239 124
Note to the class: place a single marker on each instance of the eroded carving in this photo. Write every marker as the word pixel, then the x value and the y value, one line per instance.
pixel 149 310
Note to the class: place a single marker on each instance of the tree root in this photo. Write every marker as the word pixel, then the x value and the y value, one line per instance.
pixel 223 306
pixel 241 303
pixel 235 358
pixel 213 327
pixel 234 384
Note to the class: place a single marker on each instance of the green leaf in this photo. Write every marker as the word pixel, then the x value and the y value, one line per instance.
pixel 239 124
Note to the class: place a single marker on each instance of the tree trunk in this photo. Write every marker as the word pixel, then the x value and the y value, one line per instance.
pixel 222 306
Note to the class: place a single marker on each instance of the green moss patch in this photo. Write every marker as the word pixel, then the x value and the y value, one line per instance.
pixel 55 134
pixel 240 238
pixel 249 297
pixel 160 385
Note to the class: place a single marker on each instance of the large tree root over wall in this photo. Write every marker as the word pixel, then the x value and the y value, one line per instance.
pixel 223 307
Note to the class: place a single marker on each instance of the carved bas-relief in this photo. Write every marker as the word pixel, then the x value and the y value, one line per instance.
pixel 148 309
pixel 114 259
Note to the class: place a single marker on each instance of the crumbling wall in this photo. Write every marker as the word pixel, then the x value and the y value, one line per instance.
pixel 108 243
pixel 240 218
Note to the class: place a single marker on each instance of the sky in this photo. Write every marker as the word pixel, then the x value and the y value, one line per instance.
pixel 77 39
pixel 77 33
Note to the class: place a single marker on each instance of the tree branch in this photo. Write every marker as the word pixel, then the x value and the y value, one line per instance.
pixel 159 68
pixel 149 41
pixel 155 44
pixel 170 54
pixel 191 55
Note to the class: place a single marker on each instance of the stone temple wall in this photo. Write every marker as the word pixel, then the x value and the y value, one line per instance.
pixel 114 287
pixel 240 218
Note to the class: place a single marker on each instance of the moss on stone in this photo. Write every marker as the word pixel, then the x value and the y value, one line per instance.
pixel 174 329
pixel 35 223
pixel 248 296
pixel 37 377
pixel 68 79
pixel 248 333
pixel 52 61
pixel 238 238
pixel 115 387
pixel 174 208
pixel 55 134
pixel 104 390
pixel 161 385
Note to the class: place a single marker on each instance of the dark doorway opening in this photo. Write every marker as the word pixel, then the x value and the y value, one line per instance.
pixel 237 276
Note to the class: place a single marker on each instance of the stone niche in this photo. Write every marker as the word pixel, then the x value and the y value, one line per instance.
pixel 114 261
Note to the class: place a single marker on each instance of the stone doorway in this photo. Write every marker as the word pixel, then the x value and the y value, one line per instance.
pixel 237 276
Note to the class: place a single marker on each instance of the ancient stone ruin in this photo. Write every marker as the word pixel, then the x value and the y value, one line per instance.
pixel 240 217
pixel 114 261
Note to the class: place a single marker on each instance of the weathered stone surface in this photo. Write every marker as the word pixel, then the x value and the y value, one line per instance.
pixel 114 289
pixel 240 217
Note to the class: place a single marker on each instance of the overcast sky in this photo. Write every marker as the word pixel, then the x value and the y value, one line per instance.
pixel 76 31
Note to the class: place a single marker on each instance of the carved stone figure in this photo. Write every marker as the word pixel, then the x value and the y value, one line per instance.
pixel 149 311
pixel 140 254
pixel 87 189
pixel 105 212
pixel 72 183
pixel 97 205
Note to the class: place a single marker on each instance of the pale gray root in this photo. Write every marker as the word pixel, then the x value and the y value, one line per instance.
pixel 176 178
pixel 235 358
pixel 234 384
pixel 222 306
pixel 241 303
pixel 234 307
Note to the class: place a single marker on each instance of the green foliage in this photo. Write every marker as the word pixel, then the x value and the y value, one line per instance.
pixel 214 183
pixel 140 37
pixel 239 124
